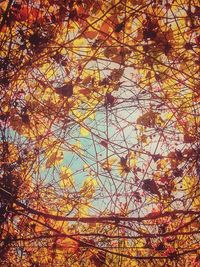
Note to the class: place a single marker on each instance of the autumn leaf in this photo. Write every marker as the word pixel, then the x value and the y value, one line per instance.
pixel 160 247
pixel 188 138
pixel 98 258
pixel 124 164
pixel 148 119
pixel 66 177
pixel 84 91
pixel 150 186
pixel 119 27
pixel 88 187
pixel 104 143
pixel 66 244
pixel 108 164
pixel 110 52
pixel 86 80
pixel 84 132
pixel 109 99
pixel 55 158
pixel 65 90
pixel 24 12
pixel 90 34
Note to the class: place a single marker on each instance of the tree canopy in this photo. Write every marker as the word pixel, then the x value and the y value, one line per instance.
pixel 99 133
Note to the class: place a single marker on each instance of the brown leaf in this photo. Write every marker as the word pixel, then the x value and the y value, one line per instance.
pixel 104 143
pixel 160 247
pixel 25 118
pixel 65 90
pixel 110 52
pixel 119 27
pixel 188 138
pixel 86 80
pixel 109 99
pixel 98 259
pixel 85 91
pixel 150 186
pixel 148 119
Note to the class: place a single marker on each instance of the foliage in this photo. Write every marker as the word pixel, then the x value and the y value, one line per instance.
pixel 99 124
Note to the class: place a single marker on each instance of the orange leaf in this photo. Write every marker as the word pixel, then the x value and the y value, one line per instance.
pixel 28 13
pixel 67 244
pixel 90 34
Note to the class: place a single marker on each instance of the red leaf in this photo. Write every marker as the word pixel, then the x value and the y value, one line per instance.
pixel 28 13
pixel 110 99
pixel 104 143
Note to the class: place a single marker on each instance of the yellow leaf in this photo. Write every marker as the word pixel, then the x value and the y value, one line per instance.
pixel 48 70
pixel 82 210
pixel 90 182
pixel 92 115
pixel 133 159
pixel 84 132
pixel 190 185
pixel 88 187
pixel 77 147
pixel 107 164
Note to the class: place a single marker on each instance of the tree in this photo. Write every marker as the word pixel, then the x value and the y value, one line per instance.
pixel 100 133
